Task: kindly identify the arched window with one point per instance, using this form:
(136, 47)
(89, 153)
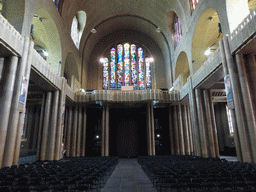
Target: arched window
(193, 4)
(77, 27)
(177, 30)
(75, 31)
(128, 67)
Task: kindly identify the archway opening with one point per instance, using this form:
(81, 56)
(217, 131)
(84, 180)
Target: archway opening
(46, 37)
(182, 67)
(206, 37)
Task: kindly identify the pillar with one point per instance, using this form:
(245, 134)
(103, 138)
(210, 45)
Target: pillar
(22, 111)
(60, 122)
(210, 124)
(107, 131)
(83, 147)
(52, 128)
(194, 120)
(14, 112)
(79, 132)
(189, 131)
(6, 93)
(232, 112)
(40, 127)
(149, 131)
(176, 130)
(36, 129)
(248, 105)
(1, 67)
(46, 125)
(74, 132)
(69, 128)
(103, 131)
(180, 130)
(238, 103)
(202, 123)
(171, 131)
(185, 130)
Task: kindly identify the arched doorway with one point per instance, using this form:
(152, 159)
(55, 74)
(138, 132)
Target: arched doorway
(182, 67)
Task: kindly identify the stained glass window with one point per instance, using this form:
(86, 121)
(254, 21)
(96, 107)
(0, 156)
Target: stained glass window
(56, 2)
(105, 74)
(148, 73)
(119, 66)
(177, 30)
(126, 64)
(193, 4)
(141, 69)
(127, 68)
(113, 68)
(133, 67)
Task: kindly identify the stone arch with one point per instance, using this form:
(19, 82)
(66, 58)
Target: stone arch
(71, 68)
(45, 34)
(206, 37)
(77, 27)
(182, 67)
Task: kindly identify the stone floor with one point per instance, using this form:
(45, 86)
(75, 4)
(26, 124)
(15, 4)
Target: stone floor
(128, 176)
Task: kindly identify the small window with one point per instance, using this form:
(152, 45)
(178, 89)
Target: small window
(177, 30)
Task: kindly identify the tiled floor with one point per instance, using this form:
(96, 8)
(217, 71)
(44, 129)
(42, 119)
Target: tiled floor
(128, 176)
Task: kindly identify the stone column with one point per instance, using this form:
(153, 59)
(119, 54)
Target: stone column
(194, 120)
(153, 129)
(6, 93)
(60, 122)
(238, 103)
(79, 132)
(107, 131)
(232, 112)
(171, 131)
(248, 104)
(52, 128)
(202, 122)
(210, 124)
(180, 130)
(22, 111)
(185, 130)
(84, 133)
(36, 129)
(176, 130)
(40, 128)
(46, 125)
(74, 133)
(149, 131)
(14, 113)
(69, 128)
(103, 130)
(189, 131)
(1, 67)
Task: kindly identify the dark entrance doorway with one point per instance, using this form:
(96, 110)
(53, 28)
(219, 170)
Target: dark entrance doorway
(127, 136)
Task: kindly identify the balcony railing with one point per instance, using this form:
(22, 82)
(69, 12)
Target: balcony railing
(127, 96)
(11, 37)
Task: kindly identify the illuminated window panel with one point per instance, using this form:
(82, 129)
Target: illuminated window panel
(193, 4)
(141, 69)
(148, 73)
(177, 31)
(127, 64)
(119, 66)
(133, 67)
(105, 74)
(113, 68)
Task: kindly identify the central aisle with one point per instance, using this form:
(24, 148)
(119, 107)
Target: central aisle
(128, 176)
